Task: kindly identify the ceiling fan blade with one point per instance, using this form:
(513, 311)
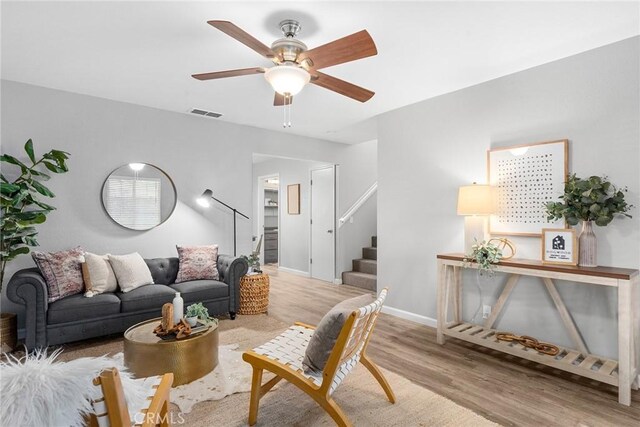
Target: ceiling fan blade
(340, 86)
(228, 73)
(356, 46)
(278, 100)
(243, 37)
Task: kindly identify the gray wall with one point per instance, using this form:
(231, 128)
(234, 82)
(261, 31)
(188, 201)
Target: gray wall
(101, 135)
(429, 149)
(294, 229)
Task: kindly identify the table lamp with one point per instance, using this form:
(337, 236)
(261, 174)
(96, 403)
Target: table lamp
(475, 202)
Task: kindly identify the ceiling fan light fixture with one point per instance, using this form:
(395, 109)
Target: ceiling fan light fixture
(287, 79)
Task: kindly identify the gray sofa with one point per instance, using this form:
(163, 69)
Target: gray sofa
(77, 317)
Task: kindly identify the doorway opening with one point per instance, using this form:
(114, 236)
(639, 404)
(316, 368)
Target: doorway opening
(270, 220)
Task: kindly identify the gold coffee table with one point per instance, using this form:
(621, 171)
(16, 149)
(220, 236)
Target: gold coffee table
(147, 355)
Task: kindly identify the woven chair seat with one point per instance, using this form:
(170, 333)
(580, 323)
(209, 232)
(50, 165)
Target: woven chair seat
(288, 349)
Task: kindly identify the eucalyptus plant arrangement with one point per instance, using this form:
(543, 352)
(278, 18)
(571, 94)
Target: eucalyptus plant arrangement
(486, 255)
(594, 199)
(199, 311)
(20, 200)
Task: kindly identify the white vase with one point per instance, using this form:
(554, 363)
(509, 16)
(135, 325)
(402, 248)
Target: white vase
(588, 246)
(178, 308)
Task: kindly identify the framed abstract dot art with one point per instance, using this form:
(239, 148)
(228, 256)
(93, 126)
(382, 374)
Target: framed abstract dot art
(526, 177)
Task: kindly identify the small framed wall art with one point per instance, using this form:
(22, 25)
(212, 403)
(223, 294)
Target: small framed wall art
(293, 199)
(526, 177)
(559, 246)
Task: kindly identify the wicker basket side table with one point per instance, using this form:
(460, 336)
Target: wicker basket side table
(254, 294)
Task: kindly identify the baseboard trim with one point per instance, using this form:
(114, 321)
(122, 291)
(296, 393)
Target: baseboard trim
(407, 315)
(293, 271)
(337, 281)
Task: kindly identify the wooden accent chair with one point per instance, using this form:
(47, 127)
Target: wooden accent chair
(111, 410)
(283, 356)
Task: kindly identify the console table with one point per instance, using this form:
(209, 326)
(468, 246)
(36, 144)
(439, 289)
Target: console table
(623, 373)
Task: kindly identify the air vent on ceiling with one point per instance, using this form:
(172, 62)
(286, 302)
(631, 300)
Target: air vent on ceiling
(205, 113)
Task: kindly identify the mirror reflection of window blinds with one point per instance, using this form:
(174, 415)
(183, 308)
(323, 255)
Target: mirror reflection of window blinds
(134, 202)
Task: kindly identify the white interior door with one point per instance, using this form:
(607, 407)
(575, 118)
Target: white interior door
(323, 224)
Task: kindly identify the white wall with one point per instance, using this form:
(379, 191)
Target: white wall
(357, 171)
(196, 152)
(293, 233)
(429, 149)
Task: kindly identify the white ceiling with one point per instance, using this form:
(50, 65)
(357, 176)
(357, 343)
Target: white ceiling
(145, 52)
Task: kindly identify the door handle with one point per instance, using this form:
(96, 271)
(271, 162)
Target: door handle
(329, 231)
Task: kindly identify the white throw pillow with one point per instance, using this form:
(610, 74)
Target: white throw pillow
(98, 275)
(131, 271)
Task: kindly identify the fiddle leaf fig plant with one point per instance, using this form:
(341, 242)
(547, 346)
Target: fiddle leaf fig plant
(486, 254)
(21, 202)
(593, 199)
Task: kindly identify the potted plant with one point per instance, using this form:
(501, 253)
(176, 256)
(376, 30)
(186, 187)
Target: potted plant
(22, 210)
(197, 312)
(254, 258)
(589, 200)
(486, 254)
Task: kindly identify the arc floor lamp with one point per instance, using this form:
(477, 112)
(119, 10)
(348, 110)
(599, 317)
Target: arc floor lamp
(203, 201)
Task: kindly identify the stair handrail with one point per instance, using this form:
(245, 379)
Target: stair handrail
(358, 204)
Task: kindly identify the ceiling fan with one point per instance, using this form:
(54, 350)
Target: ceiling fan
(295, 66)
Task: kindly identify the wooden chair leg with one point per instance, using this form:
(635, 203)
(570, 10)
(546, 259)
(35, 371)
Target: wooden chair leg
(375, 371)
(335, 412)
(164, 415)
(256, 384)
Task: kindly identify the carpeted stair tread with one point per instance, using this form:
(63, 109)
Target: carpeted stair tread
(370, 253)
(374, 241)
(369, 266)
(360, 280)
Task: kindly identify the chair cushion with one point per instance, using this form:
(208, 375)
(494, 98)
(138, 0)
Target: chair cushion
(62, 272)
(201, 290)
(147, 297)
(131, 271)
(327, 331)
(197, 263)
(79, 307)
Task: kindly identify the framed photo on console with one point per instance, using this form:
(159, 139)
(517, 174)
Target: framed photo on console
(559, 246)
(526, 178)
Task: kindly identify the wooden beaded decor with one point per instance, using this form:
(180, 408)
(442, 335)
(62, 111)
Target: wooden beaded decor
(254, 294)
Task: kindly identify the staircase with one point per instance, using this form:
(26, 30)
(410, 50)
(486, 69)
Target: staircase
(365, 269)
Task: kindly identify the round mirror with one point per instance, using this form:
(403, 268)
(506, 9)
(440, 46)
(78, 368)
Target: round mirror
(139, 196)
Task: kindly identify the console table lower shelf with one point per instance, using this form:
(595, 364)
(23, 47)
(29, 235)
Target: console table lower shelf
(579, 363)
(623, 373)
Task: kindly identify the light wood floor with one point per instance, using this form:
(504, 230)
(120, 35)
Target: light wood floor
(505, 389)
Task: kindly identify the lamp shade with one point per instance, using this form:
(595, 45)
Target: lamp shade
(205, 198)
(475, 200)
(287, 79)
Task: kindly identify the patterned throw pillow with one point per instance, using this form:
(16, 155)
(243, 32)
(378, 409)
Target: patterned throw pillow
(62, 271)
(197, 263)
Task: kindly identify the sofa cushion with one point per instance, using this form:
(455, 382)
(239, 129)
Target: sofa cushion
(78, 307)
(98, 275)
(62, 271)
(201, 290)
(131, 271)
(146, 297)
(197, 263)
(163, 270)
